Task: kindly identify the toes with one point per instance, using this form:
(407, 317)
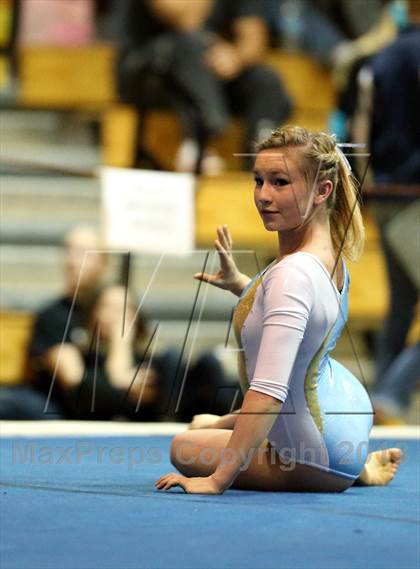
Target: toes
(395, 455)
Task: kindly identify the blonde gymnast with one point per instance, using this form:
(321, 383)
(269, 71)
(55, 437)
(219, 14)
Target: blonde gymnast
(305, 420)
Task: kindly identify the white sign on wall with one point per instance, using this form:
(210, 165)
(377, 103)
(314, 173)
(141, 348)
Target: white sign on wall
(147, 211)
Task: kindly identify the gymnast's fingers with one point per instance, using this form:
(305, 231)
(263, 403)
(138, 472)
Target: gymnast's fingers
(224, 255)
(228, 236)
(162, 480)
(206, 278)
(202, 277)
(223, 240)
(170, 481)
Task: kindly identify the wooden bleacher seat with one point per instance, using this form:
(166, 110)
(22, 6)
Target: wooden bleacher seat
(76, 78)
(15, 331)
(83, 79)
(308, 84)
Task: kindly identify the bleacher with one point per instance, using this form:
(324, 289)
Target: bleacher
(61, 78)
(37, 211)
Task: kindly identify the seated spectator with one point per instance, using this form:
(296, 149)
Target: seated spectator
(334, 34)
(208, 55)
(58, 331)
(81, 366)
(123, 377)
(111, 381)
(328, 30)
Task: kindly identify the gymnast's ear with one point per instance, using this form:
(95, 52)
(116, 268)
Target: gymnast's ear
(323, 192)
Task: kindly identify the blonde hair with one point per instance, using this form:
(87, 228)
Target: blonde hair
(323, 160)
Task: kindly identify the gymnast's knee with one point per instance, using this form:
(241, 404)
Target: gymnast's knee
(174, 450)
(180, 451)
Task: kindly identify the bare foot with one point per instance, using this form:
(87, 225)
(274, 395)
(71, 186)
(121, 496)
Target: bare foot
(380, 468)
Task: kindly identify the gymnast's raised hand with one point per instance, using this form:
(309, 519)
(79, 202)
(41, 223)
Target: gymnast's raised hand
(228, 277)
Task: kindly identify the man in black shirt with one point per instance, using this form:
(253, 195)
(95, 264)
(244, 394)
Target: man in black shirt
(60, 331)
(208, 55)
(55, 364)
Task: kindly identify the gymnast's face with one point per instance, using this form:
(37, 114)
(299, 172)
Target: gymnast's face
(281, 194)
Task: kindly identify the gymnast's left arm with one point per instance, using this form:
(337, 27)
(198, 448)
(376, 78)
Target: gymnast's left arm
(258, 413)
(288, 300)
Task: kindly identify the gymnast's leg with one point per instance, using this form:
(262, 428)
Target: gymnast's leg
(198, 452)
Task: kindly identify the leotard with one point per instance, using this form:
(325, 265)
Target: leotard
(287, 322)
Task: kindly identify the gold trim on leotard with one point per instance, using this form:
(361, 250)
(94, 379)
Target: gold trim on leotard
(311, 383)
(239, 316)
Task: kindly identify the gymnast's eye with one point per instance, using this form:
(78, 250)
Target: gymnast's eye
(281, 182)
(258, 181)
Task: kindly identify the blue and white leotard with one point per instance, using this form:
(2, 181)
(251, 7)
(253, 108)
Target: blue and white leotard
(287, 321)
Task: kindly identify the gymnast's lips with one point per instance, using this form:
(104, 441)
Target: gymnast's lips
(267, 212)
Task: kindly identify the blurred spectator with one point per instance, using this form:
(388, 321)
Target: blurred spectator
(396, 387)
(350, 57)
(82, 366)
(395, 138)
(120, 376)
(207, 55)
(130, 380)
(59, 330)
(333, 32)
(110, 381)
(322, 28)
(395, 146)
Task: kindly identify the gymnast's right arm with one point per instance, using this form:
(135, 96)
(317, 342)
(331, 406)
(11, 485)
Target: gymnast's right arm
(228, 277)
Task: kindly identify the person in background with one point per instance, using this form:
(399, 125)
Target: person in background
(327, 30)
(58, 332)
(395, 148)
(208, 55)
(83, 364)
(113, 380)
(60, 328)
(124, 378)
(78, 360)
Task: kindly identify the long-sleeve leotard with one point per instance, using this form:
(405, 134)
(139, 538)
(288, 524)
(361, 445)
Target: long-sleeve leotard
(287, 321)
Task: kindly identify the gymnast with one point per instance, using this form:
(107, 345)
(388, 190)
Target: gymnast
(305, 419)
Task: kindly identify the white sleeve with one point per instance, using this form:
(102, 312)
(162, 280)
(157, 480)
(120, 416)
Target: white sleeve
(288, 300)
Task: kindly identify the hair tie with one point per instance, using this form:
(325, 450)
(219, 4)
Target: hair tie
(340, 145)
(344, 157)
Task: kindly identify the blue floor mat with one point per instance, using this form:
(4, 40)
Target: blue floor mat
(90, 503)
